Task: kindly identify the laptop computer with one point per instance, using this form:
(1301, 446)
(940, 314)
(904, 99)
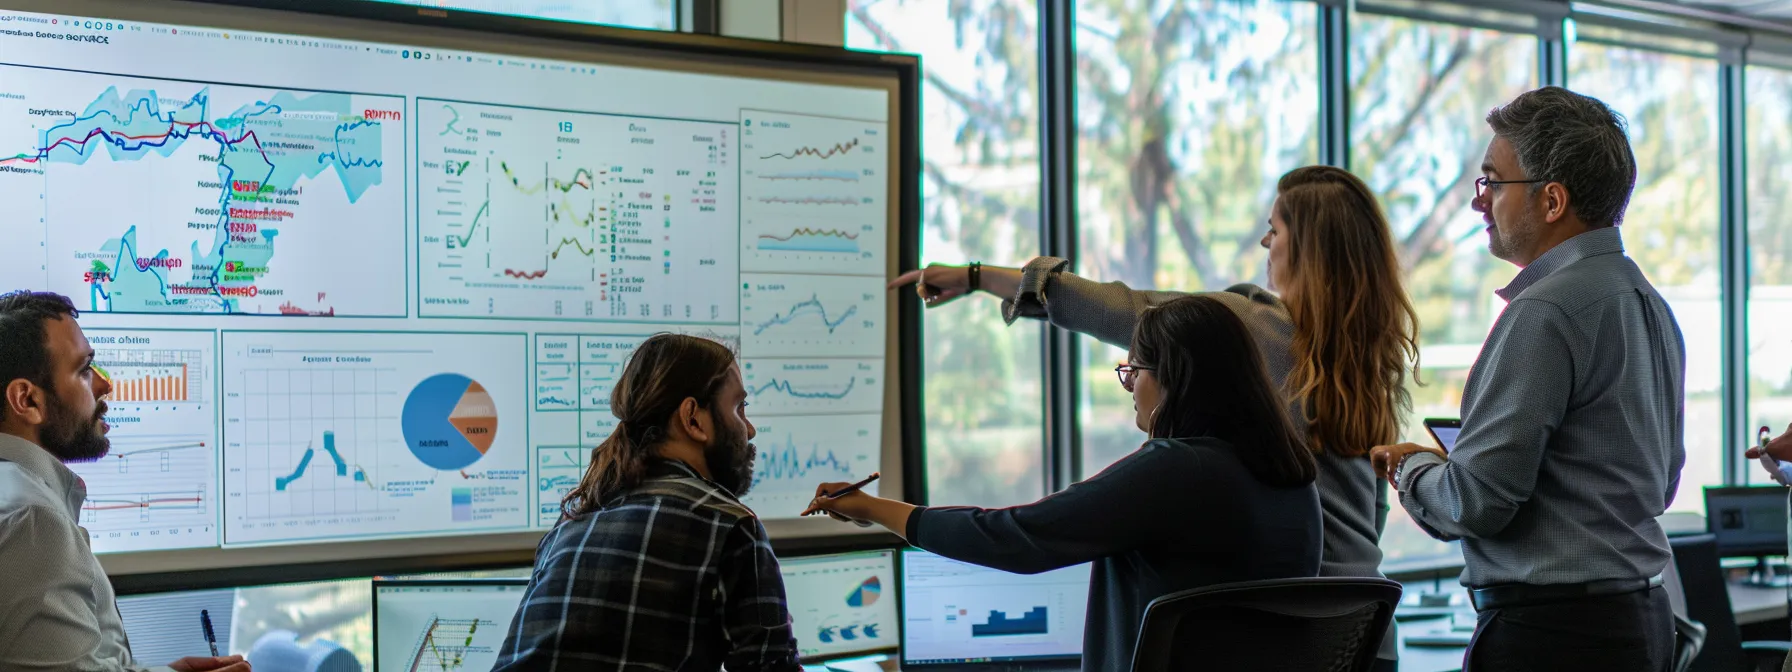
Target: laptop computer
(842, 605)
(442, 624)
(960, 617)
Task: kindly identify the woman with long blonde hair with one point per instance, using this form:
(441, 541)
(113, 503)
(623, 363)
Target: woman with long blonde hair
(1338, 338)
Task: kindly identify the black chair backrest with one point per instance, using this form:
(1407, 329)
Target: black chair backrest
(1323, 624)
(1708, 602)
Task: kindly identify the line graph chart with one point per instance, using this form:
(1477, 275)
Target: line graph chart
(797, 453)
(812, 316)
(815, 197)
(157, 487)
(838, 149)
(574, 374)
(806, 386)
(217, 198)
(557, 470)
(812, 244)
(528, 213)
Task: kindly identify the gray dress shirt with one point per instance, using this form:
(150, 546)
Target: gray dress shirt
(57, 610)
(1572, 428)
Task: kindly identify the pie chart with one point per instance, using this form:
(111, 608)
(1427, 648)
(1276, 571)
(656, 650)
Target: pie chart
(449, 421)
(866, 594)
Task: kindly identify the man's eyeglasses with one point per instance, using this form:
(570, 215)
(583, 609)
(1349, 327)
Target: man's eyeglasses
(1481, 184)
(1129, 373)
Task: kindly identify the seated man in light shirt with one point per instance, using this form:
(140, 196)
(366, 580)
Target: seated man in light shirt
(57, 610)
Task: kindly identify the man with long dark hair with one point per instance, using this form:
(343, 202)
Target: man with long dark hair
(1573, 416)
(57, 610)
(656, 564)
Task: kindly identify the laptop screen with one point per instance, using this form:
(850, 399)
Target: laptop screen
(955, 612)
(837, 603)
(442, 625)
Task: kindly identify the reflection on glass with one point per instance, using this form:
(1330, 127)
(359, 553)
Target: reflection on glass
(1419, 95)
(980, 202)
(1770, 252)
(1187, 114)
(1671, 226)
(656, 14)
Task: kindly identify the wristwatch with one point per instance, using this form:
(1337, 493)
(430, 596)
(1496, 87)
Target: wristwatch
(1400, 470)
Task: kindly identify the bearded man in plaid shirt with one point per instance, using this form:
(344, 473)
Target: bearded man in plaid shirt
(657, 566)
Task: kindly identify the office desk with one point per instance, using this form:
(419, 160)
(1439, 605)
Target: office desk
(1755, 604)
(1752, 604)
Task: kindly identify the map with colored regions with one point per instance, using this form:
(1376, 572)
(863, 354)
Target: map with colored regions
(165, 196)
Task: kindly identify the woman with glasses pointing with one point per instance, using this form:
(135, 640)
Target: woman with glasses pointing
(1338, 334)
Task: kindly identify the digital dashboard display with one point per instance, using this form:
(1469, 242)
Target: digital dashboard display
(351, 290)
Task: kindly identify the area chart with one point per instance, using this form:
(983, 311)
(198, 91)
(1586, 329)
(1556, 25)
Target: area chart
(813, 194)
(161, 196)
(157, 488)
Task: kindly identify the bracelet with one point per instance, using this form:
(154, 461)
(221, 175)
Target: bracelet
(976, 275)
(1400, 470)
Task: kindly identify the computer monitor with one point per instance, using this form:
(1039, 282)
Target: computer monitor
(838, 603)
(956, 612)
(444, 624)
(165, 626)
(1748, 521)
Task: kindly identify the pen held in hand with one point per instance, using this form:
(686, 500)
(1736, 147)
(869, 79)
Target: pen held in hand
(854, 487)
(841, 493)
(211, 638)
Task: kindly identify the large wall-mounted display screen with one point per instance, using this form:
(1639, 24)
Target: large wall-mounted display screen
(349, 289)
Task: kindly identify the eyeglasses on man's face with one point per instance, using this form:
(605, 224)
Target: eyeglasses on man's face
(1129, 374)
(1482, 183)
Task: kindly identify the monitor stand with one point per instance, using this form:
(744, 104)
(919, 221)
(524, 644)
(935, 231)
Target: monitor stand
(1768, 574)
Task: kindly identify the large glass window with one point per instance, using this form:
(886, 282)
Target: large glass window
(1769, 119)
(1187, 112)
(980, 193)
(656, 14)
(1419, 94)
(1671, 226)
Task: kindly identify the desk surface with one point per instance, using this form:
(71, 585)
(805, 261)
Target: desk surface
(1752, 604)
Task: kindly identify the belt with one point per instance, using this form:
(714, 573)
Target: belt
(1521, 594)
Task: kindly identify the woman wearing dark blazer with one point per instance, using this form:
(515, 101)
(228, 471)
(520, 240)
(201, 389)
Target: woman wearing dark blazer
(1222, 492)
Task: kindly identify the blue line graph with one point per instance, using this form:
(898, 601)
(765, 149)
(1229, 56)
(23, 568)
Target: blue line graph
(789, 464)
(810, 307)
(787, 388)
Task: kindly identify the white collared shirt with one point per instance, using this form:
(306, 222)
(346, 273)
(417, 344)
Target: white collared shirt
(57, 610)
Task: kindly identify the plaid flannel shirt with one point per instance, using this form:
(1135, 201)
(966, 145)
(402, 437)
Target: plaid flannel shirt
(675, 576)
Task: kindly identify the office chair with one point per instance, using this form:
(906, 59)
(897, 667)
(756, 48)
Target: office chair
(1689, 635)
(1326, 624)
(1708, 602)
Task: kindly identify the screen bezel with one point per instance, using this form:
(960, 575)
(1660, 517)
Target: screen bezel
(1431, 425)
(214, 567)
(374, 614)
(992, 664)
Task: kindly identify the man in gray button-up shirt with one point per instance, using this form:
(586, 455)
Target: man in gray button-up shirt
(57, 611)
(1572, 438)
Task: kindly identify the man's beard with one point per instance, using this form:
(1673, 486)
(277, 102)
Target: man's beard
(730, 458)
(72, 438)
